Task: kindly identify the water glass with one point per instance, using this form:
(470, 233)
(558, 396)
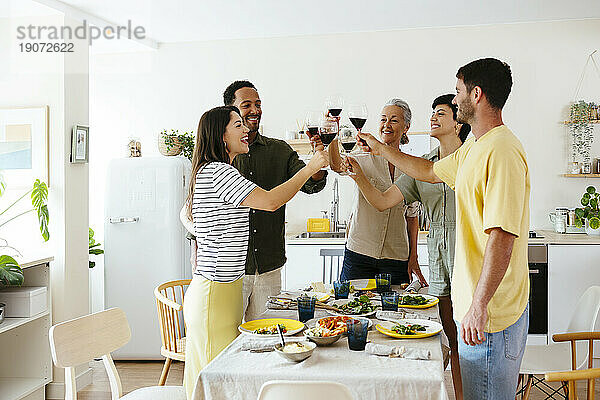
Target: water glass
(357, 333)
(389, 301)
(383, 282)
(306, 308)
(341, 289)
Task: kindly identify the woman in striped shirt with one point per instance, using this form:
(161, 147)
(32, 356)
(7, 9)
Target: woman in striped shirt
(218, 203)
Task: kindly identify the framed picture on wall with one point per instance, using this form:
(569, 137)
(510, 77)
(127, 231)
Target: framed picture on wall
(80, 146)
(24, 146)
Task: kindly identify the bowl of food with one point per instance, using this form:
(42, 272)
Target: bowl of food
(295, 351)
(322, 337)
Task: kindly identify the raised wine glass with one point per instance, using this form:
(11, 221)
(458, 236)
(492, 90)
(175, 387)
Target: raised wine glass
(348, 141)
(313, 122)
(334, 105)
(327, 132)
(358, 115)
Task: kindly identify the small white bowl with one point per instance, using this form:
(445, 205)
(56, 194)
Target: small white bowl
(296, 357)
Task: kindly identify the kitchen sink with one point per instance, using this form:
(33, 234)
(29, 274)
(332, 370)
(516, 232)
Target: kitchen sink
(320, 235)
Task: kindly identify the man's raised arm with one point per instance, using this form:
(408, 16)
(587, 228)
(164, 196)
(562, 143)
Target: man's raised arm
(417, 167)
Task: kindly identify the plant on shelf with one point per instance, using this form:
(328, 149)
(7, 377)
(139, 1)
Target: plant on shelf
(581, 130)
(590, 211)
(94, 247)
(10, 271)
(176, 142)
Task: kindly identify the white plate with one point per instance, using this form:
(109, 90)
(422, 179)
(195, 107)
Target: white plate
(338, 303)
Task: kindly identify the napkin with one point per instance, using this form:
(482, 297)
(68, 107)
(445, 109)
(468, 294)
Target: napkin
(267, 344)
(414, 287)
(410, 353)
(275, 304)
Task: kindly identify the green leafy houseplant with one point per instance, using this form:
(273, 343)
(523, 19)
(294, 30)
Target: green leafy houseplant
(185, 140)
(94, 247)
(10, 272)
(590, 211)
(581, 130)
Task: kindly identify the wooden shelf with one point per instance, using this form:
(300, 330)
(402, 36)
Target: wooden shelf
(12, 323)
(591, 122)
(581, 175)
(17, 388)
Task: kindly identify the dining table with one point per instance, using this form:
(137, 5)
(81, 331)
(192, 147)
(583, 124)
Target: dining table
(239, 374)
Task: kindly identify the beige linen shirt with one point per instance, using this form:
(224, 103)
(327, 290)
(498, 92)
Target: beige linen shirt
(379, 234)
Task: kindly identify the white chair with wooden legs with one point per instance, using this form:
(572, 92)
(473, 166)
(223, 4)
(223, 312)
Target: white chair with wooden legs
(302, 390)
(571, 376)
(169, 302)
(83, 339)
(539, 360)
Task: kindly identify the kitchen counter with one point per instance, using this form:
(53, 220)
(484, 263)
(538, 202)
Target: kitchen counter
(549, 237)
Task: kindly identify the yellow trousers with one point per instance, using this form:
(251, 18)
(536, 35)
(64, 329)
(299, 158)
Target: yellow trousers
(212, 313)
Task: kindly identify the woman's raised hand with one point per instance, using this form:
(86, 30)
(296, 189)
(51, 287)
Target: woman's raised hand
(350, 164)
(318, 161)
(368, 143)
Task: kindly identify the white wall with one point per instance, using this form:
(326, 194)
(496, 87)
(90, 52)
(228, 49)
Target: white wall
(61, 82)
(141, 94)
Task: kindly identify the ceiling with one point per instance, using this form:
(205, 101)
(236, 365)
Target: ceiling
(197, 20)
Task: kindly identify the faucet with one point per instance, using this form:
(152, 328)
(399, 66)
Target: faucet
(335, 224)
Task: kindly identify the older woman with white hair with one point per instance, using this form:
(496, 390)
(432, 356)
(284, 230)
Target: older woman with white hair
(381, 241)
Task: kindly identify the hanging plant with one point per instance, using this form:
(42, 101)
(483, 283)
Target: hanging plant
(581, 131)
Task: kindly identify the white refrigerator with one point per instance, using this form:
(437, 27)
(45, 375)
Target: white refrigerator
(145, 243)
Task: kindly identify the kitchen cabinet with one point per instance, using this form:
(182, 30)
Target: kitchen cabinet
(571, 270)
(26, 362)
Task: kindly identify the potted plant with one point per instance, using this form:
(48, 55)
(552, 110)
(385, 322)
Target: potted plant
(174, 143)
(582, 133)
(589, 215)
(94, 247)
(10, 272)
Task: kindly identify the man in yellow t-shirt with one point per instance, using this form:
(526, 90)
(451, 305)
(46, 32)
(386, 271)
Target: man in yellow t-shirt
(490, 284)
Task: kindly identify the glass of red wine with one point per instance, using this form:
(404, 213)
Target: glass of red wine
(313, 122)
(348, 141)
(334, 105)
(327, 132)
(358, 115)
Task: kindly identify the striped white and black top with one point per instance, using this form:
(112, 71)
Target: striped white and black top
(221, 225)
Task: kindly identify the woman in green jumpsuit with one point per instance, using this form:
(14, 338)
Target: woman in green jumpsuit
(438, 201)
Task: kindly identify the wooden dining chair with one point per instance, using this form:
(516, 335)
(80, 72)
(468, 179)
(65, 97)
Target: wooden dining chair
(83, 339)
(169, 303)
(332, 260)
(572, 376)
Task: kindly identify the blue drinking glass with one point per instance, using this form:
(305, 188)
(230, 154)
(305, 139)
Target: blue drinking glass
(383, 282)
(389, 301)
(358, 329)
(341, 289)
(306, 308)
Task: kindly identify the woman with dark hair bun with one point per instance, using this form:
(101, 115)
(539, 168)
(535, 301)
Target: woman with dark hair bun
(438, 201)
(217, 208)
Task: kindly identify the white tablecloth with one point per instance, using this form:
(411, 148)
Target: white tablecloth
(237, 374)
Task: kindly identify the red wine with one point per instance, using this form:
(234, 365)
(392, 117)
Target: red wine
(335, 112)
(312, 131)
(358, 122)
(348, 146)
(327, 138)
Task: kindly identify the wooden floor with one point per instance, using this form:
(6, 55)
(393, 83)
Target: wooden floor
(140, 374)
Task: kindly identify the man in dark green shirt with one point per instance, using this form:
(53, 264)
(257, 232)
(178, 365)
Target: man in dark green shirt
(269, 163)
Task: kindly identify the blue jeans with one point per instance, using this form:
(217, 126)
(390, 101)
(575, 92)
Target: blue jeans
(490, 370)
(359, 266)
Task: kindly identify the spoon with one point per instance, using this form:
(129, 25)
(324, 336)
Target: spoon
(281, 336)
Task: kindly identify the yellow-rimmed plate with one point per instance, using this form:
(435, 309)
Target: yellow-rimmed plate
(363, 284)
(431, 328)
(431, 301)
(291, 325)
